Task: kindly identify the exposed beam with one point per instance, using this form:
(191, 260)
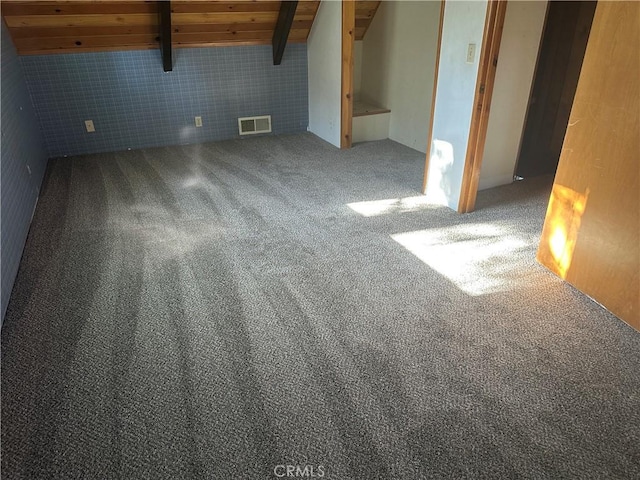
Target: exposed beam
(283, 25)
(164, 23)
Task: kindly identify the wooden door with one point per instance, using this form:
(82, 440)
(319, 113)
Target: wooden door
(591, 234)
(561, 53)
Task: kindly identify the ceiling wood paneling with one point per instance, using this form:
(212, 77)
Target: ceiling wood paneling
(365, 11)
(42, 27)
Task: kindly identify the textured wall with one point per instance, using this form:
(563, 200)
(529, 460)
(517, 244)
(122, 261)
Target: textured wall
(24, 160)
(325, 70)
(134, 104)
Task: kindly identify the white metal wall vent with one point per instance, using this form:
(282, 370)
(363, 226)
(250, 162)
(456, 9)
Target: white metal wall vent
(251, 125)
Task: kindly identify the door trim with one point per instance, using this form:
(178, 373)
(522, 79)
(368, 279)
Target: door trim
(433, 101)
(346, 99)
(491, 38)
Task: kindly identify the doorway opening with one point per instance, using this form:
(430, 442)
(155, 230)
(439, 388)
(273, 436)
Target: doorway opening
(562, 50)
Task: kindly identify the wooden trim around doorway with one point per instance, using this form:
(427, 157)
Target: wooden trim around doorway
(493, 26)
(433, 100)
(346, 103)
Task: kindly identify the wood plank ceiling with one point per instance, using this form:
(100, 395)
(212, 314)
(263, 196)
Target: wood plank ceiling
(43, 27)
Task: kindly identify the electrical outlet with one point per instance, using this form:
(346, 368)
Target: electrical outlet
(89, 126)
(471, 53)
(198, 121)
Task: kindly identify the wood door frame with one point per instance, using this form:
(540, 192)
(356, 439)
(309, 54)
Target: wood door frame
(346, 95)
(492, 35)
(491, 38)
(433, 100)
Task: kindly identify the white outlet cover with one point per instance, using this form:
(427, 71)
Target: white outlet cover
(89, 126)
(198, 121)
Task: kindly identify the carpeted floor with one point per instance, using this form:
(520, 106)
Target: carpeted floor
(223, 311)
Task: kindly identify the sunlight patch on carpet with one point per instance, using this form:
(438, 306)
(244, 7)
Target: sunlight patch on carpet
(478, 258)
(391, 205)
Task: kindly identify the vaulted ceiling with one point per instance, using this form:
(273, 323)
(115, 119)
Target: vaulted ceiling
(43, 27)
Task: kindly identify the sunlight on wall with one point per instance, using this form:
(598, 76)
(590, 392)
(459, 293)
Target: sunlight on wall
(438, 183)
(391, 205)
(561, 227)
(478, 258)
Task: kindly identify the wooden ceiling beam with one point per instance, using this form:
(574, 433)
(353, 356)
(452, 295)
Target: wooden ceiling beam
(283, 26)
(164, 21)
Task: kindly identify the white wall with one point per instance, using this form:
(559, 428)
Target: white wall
(368, 128)
(324, 52)
(463, 24)
(398, 62)
(523, 26)
(357, 68)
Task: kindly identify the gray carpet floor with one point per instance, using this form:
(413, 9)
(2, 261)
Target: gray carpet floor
(214, 311)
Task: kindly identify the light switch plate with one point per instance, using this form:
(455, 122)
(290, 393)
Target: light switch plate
(471, 53)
